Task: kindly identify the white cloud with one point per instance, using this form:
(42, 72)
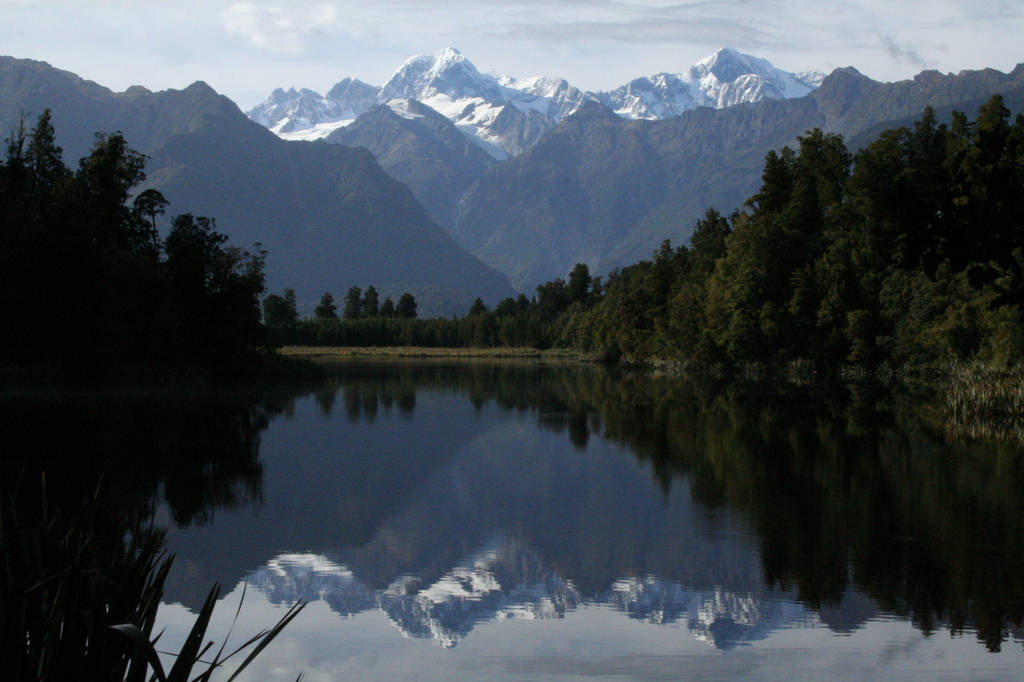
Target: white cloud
(285, 30)
(245, 48)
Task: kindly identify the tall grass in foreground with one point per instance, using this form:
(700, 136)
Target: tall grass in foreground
(985, 403)
(79, 602)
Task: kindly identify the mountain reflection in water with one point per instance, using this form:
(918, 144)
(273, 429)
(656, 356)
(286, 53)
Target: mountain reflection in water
(448, 496)
(475, 592)
(846, 504)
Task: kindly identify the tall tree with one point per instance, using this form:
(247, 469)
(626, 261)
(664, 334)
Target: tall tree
(578, 289)
(326, 310)
(406, 307)
(478, 307)
(280, 311)
(353, 307)
(371, 302)
(44, 159)
(215, 290)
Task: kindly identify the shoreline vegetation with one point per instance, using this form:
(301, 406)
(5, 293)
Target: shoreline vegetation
(81, 591)
(329, 354)
(976, 401)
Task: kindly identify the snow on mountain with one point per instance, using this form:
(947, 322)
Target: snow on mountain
(653, 97)
(555, 98)
(302, 114)
(811, 79)
(446, 74)
(729, 77)
(721, 80)
(506, 115)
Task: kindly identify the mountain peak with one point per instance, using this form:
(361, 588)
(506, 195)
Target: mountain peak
(448, 55)
(728, 64)
(445, 73)
(592, 111)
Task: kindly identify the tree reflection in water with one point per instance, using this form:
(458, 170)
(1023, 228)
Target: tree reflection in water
(845, 488)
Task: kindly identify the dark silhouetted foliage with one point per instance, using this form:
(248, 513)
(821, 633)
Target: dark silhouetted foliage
(88, 287)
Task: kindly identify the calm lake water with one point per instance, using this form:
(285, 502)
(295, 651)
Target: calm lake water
(509, 522)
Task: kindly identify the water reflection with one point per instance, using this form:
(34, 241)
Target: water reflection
(447, 496)
(807, 496)
(506, 582)
(198, 451)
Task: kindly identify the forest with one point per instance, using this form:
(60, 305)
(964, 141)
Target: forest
(907, 253)
(90, 290)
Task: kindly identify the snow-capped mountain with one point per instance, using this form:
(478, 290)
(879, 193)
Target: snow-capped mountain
(308, 115)
(506, 115)
(444, 77)
(722, 80)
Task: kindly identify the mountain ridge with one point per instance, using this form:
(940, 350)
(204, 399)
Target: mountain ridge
(452, 85)
(328, 215)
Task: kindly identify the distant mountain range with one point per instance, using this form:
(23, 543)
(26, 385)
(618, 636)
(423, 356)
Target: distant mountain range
(529, 176)
(507, 115)
(600, 178)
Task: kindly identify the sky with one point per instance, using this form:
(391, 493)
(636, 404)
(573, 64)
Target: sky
(246, 49)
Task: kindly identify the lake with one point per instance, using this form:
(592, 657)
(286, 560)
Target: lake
(482, 521)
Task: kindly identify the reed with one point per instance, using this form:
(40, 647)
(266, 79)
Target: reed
(78, 601)
(342, 353)
(985, 403)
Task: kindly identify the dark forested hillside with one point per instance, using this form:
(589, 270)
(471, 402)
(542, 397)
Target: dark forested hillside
(327, 214)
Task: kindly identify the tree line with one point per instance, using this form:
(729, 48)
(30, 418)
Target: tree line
(513, 322)
(88, 287)
(281, 316)
(908, 252)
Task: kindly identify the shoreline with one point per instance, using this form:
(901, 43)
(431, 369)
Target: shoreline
(329, 354)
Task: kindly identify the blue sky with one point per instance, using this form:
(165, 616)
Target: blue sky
(245, 49)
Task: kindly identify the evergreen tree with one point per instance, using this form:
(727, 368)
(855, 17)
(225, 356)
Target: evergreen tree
(326, 310)
(371, 304)
(406, 307)
(478, 307)
(353, 307)
(82, 280)
(44, 159)
(280, 312)
(578, 289)
(387, 309)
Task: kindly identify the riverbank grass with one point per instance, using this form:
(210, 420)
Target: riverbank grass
(985, 403)
(328, 354)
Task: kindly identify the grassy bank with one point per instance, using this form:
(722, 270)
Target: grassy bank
(327, 354)
(985, 403)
